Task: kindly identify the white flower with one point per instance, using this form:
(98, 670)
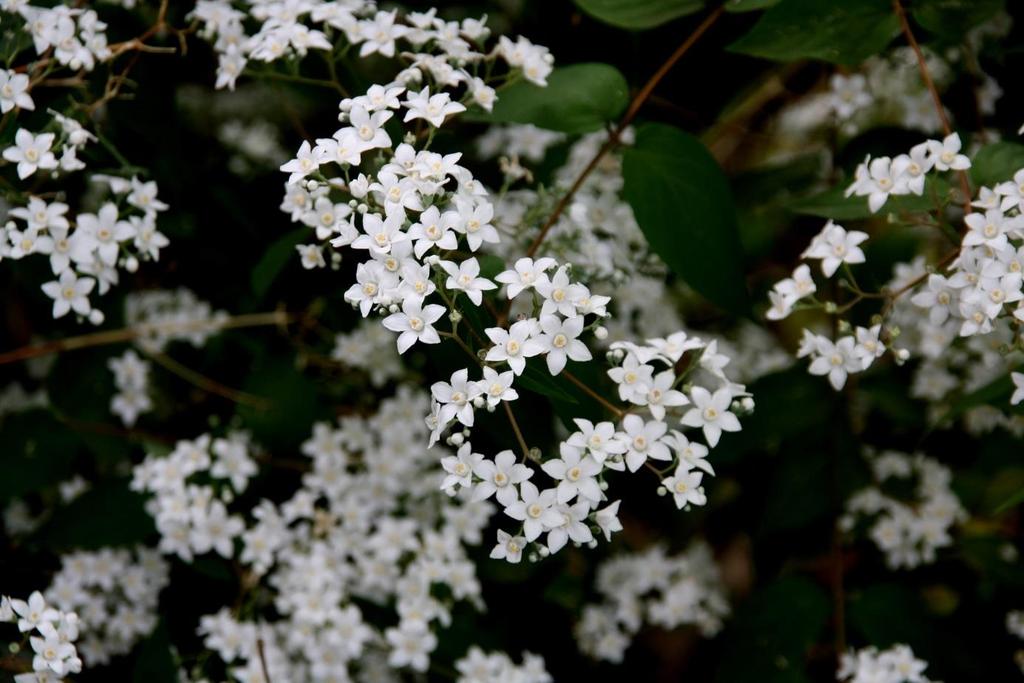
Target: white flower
(460, 468)
(31, 152)
(14, 91)
(848, 94)
(432, 108)
(836, 360)
(946, 154)
(509, 547)
(496, 386)
(304, 163)
(535, 509)
(499, 477)
(69, 292)
(573, 526)
(514, 345)
(415, 324)
(1018, 388)
(684, 485)
(456, 398)
(643, 440)
(711, 413)
(599, 440)
(834, 245)
(466, 277)
(526, 274)
(576, 475)
(559, 341)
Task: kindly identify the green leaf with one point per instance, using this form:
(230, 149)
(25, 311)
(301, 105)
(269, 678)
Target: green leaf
(684, 206)
(537, 379)
(838, 31)
(638, 14)
(950, 19)
(996, 162)
(748, 5)
(107, 515)
(154, 662)
(885, 614)
(768, 638)
(293, 407)
(996, 392)
(274, 259)
(578, 99)
(36, 451)
(1011, 502)
(833, 204)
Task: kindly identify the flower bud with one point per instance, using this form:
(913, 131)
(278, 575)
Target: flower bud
(96, 316)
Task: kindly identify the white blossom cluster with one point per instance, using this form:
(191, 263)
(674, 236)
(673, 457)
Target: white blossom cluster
(256, 145)
(909, 532)
(283, 32)
(480, 667)
(166, 315)
(51, 634)
(1015, 627)
(652, 588)
(131, 379)
(894, 665)
(15, 399)
(515, 142)
(368, 347)
(409, 219)
(192, 517)
(114, 592)
(367, 524)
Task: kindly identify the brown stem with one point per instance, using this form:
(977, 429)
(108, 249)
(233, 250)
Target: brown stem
(263, 659)
(277, 318)
(515, 428)
(922, 66)
(614, 135)
(208, 384)
(592, 394)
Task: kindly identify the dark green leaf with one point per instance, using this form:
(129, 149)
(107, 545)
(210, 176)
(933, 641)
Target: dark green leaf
(154, 662)
(275, 258)
(833, 204)
(748, 5)
(638, 14)
(578, 99)
(684, 206)
(951, 18)
(997, 162)
(886, 614)
(768, 638)
(839, 31)
(107, 515)
(36, 451)
(537, 379)
(292, 405)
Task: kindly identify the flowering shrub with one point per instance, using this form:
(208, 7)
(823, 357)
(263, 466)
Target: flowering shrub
(385, 342)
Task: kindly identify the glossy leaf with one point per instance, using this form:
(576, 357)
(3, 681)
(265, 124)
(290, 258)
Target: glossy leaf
(638, 14)
(684, 206)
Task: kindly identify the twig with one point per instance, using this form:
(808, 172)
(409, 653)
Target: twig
(515, 428)
(208, 384)
(614, 135)
(592, 394)
(263, 659)
(277, 318)
(922, 65)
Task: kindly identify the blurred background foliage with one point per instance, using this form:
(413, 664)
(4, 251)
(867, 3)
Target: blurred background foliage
(782, 480)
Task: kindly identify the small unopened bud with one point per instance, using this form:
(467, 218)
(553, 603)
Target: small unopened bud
(456, 439)
(601, 332)
(96, 316)
(362, 209)
(131, 264)
(662, 491)
(478, 402)
(830, 307)
(455, 316)
(393, 308)
(312, 185)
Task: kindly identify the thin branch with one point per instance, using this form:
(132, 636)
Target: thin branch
(922, 66)
(208, 384)
(515, 428)
(614, 135)
(263, 659)
(276, 318)
(592, 394)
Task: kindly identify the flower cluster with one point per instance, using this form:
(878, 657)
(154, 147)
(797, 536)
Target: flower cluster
(479, 667)
(652, 587)
(1015, 627)
(192, 487)
(869, 665)
(909, 532)
(52, 635)
(165, 315)
(114, 593)
(368, 524)
(131, 378)
(368, 347)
